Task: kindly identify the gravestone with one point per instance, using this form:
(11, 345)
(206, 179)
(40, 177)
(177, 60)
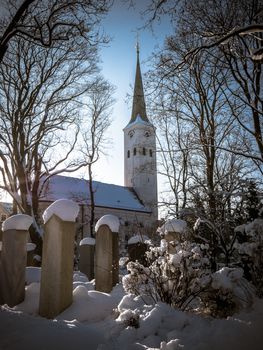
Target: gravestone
(30, 254)
(87, 256)
(137, 248)
(13, 259)
(107, 253)
(173, 231)
(58, 258)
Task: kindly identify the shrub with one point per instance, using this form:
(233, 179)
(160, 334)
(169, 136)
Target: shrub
(175, 279)
(228, 292)
(249, 249)
(184, 280)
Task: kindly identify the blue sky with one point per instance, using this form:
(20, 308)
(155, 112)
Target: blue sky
(118, 66)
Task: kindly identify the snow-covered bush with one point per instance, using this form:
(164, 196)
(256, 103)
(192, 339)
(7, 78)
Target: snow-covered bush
(249, 248)
(228, 292)
(184, 280)
(219, 236)
(176, 279)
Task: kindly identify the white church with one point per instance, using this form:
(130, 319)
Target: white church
(135, 203)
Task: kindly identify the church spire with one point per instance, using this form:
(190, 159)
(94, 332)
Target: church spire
(138, 106)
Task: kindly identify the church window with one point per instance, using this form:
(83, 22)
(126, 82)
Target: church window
(128, 154)
(134, 151)
(151, 153)
(144, 151)
(131, 133)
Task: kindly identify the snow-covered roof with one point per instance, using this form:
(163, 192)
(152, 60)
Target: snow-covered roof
(106, 195)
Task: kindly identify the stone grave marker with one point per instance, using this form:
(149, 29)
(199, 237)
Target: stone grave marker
(58, 257)
(87, 256)
(107, 253)
(137, 247)
(14, 258)
(172, 232)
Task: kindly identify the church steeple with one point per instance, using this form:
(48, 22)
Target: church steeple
(138, 106)
(140, 166)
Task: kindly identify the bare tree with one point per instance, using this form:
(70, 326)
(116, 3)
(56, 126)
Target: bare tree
(231, 30)
(97, 119)
(173, 147)
(236, 32)
(51, 22)
(40, 104)
(192, 108)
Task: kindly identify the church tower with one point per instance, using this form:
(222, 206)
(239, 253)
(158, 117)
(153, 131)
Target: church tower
(140, 171)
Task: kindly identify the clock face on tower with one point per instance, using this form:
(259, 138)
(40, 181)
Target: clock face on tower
(131, 133)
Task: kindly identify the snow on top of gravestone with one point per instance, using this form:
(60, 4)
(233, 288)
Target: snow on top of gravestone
(17, 222)
(173, 225)
(30, 247)
(110, 220)
(138, 239)
(87, 241)
(105, 195)
(65, 209)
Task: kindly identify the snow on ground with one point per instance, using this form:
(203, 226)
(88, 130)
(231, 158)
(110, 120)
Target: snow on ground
(104, 321)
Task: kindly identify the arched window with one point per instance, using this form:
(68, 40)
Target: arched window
(134, 151)
(144, 151)
(128, 154)
(151, 153)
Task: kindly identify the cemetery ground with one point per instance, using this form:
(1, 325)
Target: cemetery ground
(55, 307)
(97, 320)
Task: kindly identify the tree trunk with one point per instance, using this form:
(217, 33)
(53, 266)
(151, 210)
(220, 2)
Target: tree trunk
(92, 201)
